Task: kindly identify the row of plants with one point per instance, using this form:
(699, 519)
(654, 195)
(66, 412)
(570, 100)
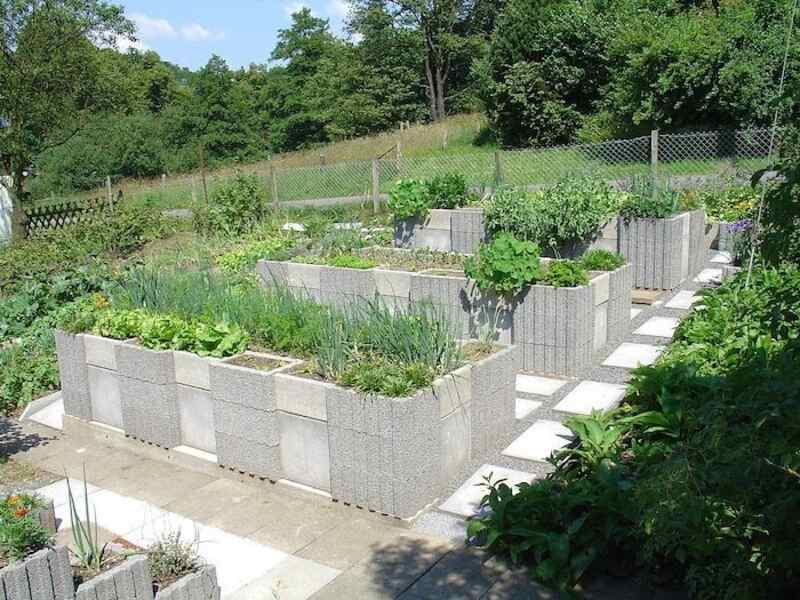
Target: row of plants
(694, 480)
(21, 533)
(365, 345)
(415, 198)
(507, 265)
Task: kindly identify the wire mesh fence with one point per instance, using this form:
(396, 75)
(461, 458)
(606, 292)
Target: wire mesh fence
(693, 159)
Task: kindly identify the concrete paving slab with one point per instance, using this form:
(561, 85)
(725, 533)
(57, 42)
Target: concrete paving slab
(708, 276)
(658, 327)
(591, 395)
(525, 407)
(629, 355)
(683, 300)
(212, 498)
(296, 525)
(458, 575)
(721, 258)
(539, 441)
(635, 312)
(291, 579)
(540, 386)
(47, 411)
(156, 482)
(467, 498)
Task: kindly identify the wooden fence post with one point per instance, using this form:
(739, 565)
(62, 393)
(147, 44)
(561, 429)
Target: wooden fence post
(654, 154)
(376, 185)
(109, 194)
(194, 190)
(163, 185)
(273, 176)
(498, 169)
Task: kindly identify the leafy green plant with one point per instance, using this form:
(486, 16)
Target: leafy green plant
(346, 261)
(28, 369)
(602, 260)
(88, 551)
(505, 265)
(564, 273)
(21, 534)
(409, 198)
(216, 339)
(726, 205)
(247, 255)
(447, 191)
(649, 199)
(560, 218)
(236, 206)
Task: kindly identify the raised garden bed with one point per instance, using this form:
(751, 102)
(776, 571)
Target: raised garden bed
(269, 419)
(557, 329)
(47, 575)
(663, 252)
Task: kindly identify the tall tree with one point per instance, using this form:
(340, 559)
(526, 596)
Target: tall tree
(49, 72)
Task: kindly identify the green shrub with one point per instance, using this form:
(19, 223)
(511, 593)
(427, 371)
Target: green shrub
(505, 265)
(649, 199)
(246, 256)
(564, 273)
(560, 218)
(726, 205)
(28, 369)
(780, 225)
(346, 261)
(447, 191)
(171, 558)
(236, 206)
(409, 198)
(602, 260)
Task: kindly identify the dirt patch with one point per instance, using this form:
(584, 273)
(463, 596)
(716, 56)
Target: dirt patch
(254, 361)
(476, 351)
(18, 476)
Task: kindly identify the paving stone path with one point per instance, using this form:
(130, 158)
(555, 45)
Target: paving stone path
(276, 543)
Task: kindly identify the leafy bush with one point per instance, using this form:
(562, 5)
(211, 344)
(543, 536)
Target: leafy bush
(246, 256)
(346, 261)
(409, 198)
(649, 199)
(695, 479)
(20, 534)
(602, 260)
(560, 218)
(780, 225)
(564, 273)
(727, 205)
(236, 206)
(389, 379)
(447, 191)
(505, 265)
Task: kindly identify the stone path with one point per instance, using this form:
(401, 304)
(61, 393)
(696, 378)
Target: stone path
(276, 542)
(544, 403)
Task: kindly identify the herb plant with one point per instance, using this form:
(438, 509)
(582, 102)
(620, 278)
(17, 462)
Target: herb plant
(170, 558)
(505, 265)
(649, 199)
(601, 260)
(447, 191)
(564, 273)
(409, 198)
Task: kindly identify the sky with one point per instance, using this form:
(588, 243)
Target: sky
(187, 32)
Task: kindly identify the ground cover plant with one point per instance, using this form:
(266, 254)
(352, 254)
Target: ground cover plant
(694, 480)
(21, 534)
(506, 265)
(415, 198)
(650, 198)
(171, 557)
(601, 260)
(560, 219)
(418, 259)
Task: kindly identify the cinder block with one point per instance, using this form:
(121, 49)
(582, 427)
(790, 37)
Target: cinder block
(15, 581)
(600, 326)
(301, 396)
(404, 232)
(454, 390)
(150, 411)
(142, 582)
(353, 283)
(600, 287)
(438, 218)
(304, 276)
(191, 369)
(104, 394)
(40, 580)
(433, 239)
(249, 457)
(73, 375)
(455, 443)
(137, 362)
(272, 273)
(249, 424)
(100, 351)
(396, 284)
(245, 386)
(305, 454)
(196, 413)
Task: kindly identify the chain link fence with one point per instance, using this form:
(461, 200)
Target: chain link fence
(696, 159)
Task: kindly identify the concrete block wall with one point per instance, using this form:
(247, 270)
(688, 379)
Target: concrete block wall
(433, 232)
(104, 381)
(725, 240)
(493, 398)
(664, 252)
(467, 230)
(449, 294)
(47, 575)
(197, 586)
(620, 287)
(44, 575)
(340, 287)
(149, 394)
(195, 403)
(245, 418)
(74, 374)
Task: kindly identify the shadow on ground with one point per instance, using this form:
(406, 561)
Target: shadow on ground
(13, 439)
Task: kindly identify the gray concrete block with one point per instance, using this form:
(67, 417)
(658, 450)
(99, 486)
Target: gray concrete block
(137, 362)
(244, 386)
(73, 375)
(248, 424)
(455, 443)
(395, 284)
(196, 417)
(15, 581)
(100, 351)
(104, 395)
(150, 411)
(61, 572)
(304, 276)
(40, 578)
(600, 326)
(191, 369)
(352, 283)
(249, 457)
(305, 453)
(433, 239)
(123, 583)
(271, 273)
(301, 396)
(404, 232)
(139, 569)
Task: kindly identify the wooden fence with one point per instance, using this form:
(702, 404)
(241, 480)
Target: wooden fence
(40, 219)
